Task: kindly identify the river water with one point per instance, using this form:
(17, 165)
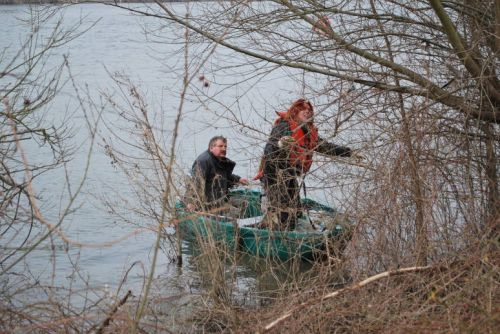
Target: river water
(115, 43)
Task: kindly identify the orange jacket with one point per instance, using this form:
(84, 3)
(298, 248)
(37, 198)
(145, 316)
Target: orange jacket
(302, 148)
(301, 152)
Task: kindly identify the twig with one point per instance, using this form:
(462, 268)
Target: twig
(107, 321)
(356, 286)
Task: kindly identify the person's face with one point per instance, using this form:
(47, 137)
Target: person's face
(219, 148)
(305, 114)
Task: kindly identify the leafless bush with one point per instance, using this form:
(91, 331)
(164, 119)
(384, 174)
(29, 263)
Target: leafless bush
(36, 144)
(415, 87)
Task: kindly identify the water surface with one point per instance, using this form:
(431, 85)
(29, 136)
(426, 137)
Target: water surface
(115, 43)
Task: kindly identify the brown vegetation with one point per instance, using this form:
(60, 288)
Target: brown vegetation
(425, 113)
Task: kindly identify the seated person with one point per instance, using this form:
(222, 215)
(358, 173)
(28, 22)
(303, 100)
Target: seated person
(211, 177)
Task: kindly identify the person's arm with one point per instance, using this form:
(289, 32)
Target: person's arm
(331, 149)
(196, 184)
(273, 152)
(200, 172)
(235, 179)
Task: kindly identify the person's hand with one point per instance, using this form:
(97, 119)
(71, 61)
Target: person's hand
(244, 181)
(286, 142)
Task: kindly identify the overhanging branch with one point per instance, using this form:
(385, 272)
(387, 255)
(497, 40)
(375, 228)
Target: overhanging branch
(428, 90)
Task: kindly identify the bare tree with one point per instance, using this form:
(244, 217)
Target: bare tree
(33, 144)
(414, 85)
(26, 88)
(418, 80)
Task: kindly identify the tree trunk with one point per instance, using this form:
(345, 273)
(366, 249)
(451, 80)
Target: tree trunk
(493, 204)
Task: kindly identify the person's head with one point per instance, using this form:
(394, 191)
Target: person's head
(218, 146)
(301, 111)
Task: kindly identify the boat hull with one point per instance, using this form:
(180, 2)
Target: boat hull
(284, 245)
(307, 244)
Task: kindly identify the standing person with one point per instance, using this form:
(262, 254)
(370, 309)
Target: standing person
(288, 155)
(211, 177)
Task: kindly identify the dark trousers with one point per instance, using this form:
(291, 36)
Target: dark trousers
(283, 193)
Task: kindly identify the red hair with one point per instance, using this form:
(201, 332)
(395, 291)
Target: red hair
(296, 107)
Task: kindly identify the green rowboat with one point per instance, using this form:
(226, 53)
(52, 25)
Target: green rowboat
(321, 232)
